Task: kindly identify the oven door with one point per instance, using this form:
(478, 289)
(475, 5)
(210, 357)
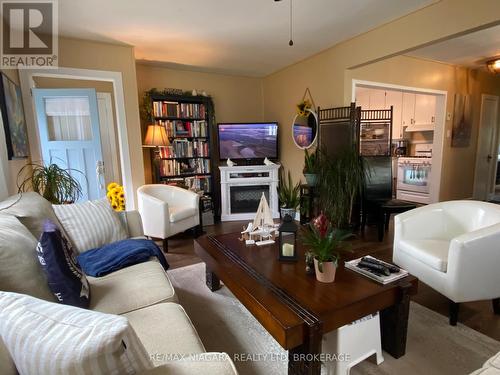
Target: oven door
(414, 176)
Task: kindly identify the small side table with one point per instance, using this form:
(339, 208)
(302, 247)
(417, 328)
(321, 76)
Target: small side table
(308, 203)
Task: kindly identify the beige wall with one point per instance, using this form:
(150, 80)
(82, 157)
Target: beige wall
(15, 165)
(326, 73)
(236, 98)
(457, 176)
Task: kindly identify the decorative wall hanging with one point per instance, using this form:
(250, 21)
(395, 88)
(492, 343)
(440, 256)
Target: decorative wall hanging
(11, 105)
(305, 123)
(462, 121)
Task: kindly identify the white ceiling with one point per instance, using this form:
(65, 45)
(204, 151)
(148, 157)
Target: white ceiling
(248, 37)
(471, 50)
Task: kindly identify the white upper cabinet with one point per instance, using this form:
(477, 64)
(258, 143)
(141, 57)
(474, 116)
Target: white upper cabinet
(425, 109)
(395, 99)
(363, 97)
(377, 99)
(408, 109)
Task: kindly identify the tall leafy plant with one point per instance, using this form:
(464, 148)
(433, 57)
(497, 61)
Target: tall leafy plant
(288, 192)
(50, 181)
(342, 179)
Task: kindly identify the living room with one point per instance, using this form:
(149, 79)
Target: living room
(196, 122)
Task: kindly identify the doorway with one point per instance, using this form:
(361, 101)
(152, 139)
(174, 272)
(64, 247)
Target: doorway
(486, 184)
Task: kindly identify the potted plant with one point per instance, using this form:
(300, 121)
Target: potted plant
(326, 244)
(51, 182)
(288, 195)
(310, 167)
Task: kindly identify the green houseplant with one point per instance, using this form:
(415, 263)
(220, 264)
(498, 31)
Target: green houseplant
(342, 180)
(288, 195)
(311, 167)
(50, 181)
(326, 244)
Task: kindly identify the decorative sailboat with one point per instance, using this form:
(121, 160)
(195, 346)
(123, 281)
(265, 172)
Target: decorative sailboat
(262, 227)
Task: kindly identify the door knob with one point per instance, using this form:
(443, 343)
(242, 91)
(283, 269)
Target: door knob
(489, 157)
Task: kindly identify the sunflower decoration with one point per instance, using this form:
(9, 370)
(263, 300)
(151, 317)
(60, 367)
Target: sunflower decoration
(303, 107)
(116, 196)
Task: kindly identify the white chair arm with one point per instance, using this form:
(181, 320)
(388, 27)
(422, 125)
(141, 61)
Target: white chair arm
(155, 215)
(419, 223)
(200, 364)
(474, 265)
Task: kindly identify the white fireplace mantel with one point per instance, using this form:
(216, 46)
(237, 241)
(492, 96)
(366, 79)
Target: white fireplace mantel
(248, 175)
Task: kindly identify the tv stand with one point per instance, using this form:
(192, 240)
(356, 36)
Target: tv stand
(242, 187)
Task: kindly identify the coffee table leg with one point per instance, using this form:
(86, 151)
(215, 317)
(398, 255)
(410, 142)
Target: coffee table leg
(212, 280)
(305, 359)
(394, 324)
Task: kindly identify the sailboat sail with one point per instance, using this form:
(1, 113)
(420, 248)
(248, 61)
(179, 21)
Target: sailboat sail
(263, 216)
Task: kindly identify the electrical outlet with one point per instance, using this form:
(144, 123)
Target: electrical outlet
(448, 133)
(448, 116)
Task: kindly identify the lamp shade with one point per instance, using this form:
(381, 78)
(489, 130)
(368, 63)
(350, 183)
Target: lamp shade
(156, 136)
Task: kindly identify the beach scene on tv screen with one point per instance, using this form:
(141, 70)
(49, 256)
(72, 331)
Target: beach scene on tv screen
(247, 141)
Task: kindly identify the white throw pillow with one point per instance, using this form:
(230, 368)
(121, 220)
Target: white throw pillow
(91, 224)
(49, 338)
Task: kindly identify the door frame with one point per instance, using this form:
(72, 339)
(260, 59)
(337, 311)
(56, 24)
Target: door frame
(27, 83)
(439, 131)
(496, 141)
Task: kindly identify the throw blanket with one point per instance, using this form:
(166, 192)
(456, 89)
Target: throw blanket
(118, 255)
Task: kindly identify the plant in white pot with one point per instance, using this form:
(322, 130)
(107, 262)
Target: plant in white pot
(310, 170)
(288, 195)
(326, 243)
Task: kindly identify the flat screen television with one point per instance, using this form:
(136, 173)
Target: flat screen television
(251, 140)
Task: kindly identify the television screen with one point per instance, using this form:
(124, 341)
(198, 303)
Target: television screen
(248, 140)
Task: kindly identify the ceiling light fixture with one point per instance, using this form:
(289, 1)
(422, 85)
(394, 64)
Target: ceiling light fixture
(290, 42)
(494, 65)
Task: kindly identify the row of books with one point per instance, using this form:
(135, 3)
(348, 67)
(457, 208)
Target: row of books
(174, 109)
(199, 183)
(185, 149)
(184, 128)
(177, 167)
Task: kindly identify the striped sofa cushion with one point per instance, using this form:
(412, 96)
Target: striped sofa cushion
(91, 224)
(48, 338)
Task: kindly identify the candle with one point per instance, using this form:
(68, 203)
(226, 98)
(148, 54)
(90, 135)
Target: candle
(288, 249)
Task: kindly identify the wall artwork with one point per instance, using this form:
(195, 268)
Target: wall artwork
(462, 121)
(11, 106)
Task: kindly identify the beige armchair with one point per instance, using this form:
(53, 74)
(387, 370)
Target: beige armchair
(167, 210)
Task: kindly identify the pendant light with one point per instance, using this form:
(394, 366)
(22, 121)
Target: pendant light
(290, 42)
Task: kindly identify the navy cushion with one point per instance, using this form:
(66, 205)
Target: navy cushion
(66, 279)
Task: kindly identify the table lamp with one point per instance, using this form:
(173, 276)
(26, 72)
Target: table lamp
(156, 136)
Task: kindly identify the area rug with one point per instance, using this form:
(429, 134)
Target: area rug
(224, 325)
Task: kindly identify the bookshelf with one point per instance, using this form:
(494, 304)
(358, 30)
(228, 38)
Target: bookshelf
(188, 160)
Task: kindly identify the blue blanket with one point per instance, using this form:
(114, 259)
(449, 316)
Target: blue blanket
(118, 255)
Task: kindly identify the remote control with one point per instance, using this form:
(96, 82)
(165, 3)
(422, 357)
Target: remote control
(390, 267)
(376, 267)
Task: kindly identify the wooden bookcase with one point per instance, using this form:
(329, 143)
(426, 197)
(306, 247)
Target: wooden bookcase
(189, 160)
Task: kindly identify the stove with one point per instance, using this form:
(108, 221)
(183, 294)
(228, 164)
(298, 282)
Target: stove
(414, 172)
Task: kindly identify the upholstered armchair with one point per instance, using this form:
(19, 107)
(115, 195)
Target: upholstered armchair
(168, 210)
(454, 247)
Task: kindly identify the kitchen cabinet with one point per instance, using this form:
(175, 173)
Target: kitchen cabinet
(377, 99)
(408, 109)
(425, 109)
(363, 97)
(395, 99)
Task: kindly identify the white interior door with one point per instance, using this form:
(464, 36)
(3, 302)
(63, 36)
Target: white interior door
(68, 125)
(487, 149)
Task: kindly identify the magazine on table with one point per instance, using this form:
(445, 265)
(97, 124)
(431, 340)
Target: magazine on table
(376, 269)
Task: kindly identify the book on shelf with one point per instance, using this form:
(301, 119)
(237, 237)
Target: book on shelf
(199, 183)
(376, 276)
(165, 108)
(180, 167)
(187, 129)
(182, 148)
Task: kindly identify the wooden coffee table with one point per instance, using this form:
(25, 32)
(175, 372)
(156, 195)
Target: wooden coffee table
(295, 308)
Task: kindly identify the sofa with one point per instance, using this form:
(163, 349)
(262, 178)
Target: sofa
(452, 247)
(142, 293)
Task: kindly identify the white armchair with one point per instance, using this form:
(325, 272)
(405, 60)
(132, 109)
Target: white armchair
(454, 247)
(167, 210)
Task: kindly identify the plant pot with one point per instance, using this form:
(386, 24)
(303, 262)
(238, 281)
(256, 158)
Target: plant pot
(328, 274)
(287, 211)
(311, 179)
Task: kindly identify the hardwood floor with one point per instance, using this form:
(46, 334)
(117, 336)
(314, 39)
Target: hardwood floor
(476, 315)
